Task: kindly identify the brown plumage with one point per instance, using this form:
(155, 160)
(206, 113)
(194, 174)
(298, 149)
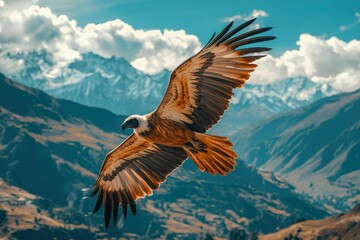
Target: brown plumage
(199, 92)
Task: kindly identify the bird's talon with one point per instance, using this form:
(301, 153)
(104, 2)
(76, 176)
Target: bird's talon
(202, 146)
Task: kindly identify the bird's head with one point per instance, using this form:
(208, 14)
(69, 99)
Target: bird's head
(137, 122)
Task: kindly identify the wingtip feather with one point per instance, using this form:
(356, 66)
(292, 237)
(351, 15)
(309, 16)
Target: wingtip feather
(107, 208)
(99, 201)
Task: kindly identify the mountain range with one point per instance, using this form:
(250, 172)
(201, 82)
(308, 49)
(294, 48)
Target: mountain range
(52, 148)
(316, 148)
(113, 84)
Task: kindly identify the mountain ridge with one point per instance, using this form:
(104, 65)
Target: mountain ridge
(113, 84)
(74, 143)
(314, 147)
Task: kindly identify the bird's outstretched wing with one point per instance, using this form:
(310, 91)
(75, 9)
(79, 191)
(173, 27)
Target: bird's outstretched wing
(200, 88)
(131, 171)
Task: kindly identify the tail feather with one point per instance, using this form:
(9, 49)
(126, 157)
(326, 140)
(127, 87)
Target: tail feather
(218, 157)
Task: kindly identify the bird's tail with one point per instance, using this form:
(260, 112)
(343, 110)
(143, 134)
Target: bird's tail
(217, 157)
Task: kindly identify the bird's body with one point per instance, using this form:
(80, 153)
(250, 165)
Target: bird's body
(198, 94)
(163, 131)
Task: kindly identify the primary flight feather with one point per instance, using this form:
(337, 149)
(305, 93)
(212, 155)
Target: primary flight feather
(198, 93)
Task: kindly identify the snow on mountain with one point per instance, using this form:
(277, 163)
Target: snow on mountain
(289, 93)
(254, 102)
(110, 83)
(113, 84)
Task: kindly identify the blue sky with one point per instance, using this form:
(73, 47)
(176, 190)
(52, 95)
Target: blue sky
(289, 18)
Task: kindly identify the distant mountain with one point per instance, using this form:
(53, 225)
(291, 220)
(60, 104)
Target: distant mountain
(316, 148)
(253, 102)
(113, 84)
(50, 149)
(109, 83)
(343, 226)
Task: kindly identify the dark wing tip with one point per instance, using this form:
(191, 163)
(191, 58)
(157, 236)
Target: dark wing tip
(99, 201)
(251, 40)
(246, 35)
(131, 202)
(222, 33)
(115, 207)
(107, 208)
(235, 30)
(264, 29)
(94, 189)
(212, 37)
(124, 203)
(251, 21)
(133, 208)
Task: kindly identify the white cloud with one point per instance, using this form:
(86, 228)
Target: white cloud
(10, 66)
(256, 13)
(150, 51)
(346, 27)
(255, 26)
(259, 13)
(331, 61)
(25, 27)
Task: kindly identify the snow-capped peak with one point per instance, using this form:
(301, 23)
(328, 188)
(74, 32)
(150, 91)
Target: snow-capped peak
(112, 83)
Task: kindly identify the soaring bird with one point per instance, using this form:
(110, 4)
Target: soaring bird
(198, 93)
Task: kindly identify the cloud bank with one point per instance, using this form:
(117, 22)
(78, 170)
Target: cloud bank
(256, 13)
(330, 61)
(25, 27)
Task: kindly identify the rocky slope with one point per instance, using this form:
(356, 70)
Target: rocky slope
(53, 148)
(343, 226)
(316, 148)
(26, 216)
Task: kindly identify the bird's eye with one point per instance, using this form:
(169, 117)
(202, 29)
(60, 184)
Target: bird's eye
(134, 123)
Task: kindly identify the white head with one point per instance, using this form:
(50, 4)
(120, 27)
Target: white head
(137, 122)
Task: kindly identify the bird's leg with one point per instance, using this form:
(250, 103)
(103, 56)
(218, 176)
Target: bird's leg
(194, 146)
(191, 148)
(198, 144)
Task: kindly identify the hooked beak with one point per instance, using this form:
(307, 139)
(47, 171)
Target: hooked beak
(132, 123)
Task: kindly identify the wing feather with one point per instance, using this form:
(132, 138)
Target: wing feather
(200, 89)
(131, 171)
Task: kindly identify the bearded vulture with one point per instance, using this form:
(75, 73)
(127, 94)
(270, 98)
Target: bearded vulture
(198, 93)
